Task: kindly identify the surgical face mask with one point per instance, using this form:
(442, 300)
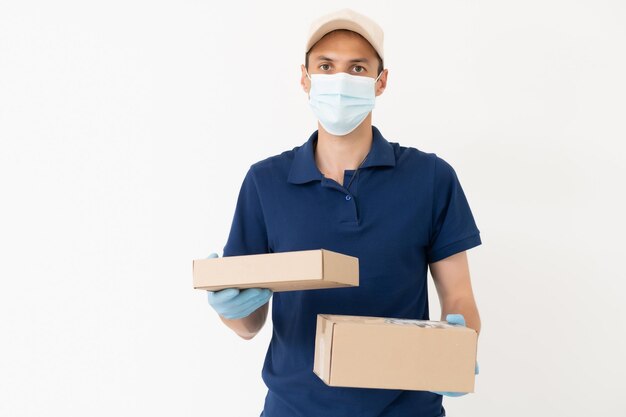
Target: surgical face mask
(341, 101)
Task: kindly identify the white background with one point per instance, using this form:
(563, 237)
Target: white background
(126, 129)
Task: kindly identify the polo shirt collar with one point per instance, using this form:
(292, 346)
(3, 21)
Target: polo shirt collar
(303, 168)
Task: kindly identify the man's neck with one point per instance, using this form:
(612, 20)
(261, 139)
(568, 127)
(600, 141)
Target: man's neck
(334, 154)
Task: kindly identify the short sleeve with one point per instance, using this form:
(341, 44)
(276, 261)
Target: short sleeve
(248, 234)
(453, 228)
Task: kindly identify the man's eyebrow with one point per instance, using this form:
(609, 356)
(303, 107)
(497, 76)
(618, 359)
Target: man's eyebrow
(325, 58)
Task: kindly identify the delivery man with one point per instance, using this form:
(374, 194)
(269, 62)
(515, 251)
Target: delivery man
(398, 209)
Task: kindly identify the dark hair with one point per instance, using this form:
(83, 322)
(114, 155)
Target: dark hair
(380, 61)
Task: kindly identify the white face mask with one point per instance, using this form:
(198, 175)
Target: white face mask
(341, 101)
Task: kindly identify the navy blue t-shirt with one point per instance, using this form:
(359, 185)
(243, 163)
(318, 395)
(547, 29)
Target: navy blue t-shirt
(404, 210)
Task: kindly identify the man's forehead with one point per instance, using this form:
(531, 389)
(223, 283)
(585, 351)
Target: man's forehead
(344, 42)
(340, 57)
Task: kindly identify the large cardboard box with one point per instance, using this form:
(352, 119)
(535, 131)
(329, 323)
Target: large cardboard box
(280, 271)
(379, 352)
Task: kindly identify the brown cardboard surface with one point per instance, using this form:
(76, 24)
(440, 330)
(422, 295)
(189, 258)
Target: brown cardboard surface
(280, 271)
(380, 352)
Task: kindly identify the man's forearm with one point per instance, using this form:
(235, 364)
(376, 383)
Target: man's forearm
(465, 306)
(247, 327)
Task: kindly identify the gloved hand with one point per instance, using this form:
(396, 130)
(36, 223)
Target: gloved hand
(233, 303)
(456, 319)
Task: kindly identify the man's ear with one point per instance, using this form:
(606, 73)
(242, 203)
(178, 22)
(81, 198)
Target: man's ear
(382, 82)
(304, 80)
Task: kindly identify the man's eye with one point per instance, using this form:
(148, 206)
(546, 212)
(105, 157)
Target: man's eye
(358, 66)
(324, 65)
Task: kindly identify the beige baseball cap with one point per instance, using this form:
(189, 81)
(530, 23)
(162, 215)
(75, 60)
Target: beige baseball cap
(347, 19)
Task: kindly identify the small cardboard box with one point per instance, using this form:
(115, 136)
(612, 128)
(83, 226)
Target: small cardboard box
(280, 271)
(379, 352)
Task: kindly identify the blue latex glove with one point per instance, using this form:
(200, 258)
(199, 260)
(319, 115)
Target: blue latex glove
(233, 303)
(456, 319)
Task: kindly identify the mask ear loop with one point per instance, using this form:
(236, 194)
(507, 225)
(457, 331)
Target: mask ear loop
(309, 77)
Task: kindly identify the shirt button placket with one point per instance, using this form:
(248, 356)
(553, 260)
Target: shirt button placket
(353, 209)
